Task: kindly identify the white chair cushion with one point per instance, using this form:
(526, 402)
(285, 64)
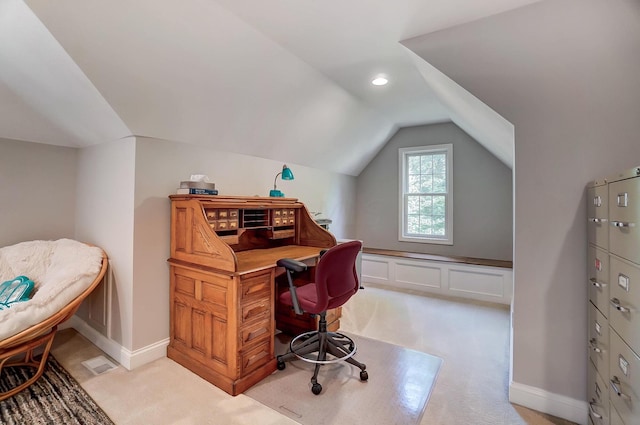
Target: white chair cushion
(61, 270)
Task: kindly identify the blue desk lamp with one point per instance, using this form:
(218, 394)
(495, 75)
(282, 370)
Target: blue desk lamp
(286, 175)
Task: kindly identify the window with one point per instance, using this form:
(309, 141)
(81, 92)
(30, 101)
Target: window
(426, 213)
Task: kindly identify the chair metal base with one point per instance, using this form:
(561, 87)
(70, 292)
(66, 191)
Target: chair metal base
(322, 347)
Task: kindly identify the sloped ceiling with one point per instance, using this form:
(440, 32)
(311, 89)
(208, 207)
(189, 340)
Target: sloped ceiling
(283, 79)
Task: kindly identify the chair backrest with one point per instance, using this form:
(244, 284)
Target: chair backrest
(336, 276)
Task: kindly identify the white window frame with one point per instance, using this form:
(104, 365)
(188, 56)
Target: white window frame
(403, 154)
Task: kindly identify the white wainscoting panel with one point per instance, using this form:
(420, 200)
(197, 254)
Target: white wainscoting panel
(483, 283)
(416, 274)
(477, 280)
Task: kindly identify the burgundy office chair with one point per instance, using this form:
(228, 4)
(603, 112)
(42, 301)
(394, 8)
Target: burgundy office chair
(336, 280)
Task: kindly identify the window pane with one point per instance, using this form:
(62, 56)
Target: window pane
(413, 205)
(413, 164)
(413, 224)
(414, 184)
(426, 184)
(440, 163)
(425, 205)
(426, 163)
(438, 226)
(439, 205)
(439, 183)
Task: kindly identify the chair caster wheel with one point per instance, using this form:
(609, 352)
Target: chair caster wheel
(281, 365)
(316, 388)
(364, 375)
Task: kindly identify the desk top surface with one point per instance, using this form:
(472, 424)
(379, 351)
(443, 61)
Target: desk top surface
(260, 259)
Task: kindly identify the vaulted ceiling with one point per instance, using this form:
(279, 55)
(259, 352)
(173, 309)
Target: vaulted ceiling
(282, 79)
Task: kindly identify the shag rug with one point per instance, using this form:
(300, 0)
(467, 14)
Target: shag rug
(55, 398)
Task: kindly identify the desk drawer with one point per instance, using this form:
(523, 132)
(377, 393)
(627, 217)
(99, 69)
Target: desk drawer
(624, 380)
(599, 341)
(256, 286)
(598, 274)
(624, 309)
(258, 310)
(253, 358)
(255, 332)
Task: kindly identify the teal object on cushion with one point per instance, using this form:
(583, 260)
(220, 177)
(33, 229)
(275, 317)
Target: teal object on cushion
(15, 290)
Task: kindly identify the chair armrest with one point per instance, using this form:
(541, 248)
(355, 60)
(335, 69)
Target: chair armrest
(291, 264)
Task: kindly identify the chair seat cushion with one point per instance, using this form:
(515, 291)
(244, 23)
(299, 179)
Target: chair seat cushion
(61, 270)
(307, 298)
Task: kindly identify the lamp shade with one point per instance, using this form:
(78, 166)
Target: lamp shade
(287, 174)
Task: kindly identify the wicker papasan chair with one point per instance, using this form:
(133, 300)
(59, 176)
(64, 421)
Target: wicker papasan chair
(64, 272)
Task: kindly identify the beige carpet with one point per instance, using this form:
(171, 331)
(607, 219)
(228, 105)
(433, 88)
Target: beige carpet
(399, 385)
(471, 388)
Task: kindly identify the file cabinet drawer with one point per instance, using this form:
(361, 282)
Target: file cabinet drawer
(614, 417)
(598, 397)
(624, 380)
(598, 274)
(597, 216)
(624, 219)
(624, 290)
(599, 341)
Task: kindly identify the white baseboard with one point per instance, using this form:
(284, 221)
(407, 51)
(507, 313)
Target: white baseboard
(482, 283)
(127, 358)
(553, 404)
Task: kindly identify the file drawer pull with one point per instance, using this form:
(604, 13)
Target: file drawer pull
(594, 346)
(622, 224)
(595, 414)
(597, 284)
(616, 389)
(616, 303)
(598, 220)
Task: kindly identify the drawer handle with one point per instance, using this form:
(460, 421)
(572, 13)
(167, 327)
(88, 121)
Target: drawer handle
(594, 346)
(255, 311)
(597, 284)
(598, 220)
(616, 303)
(592, 405)
(622, 224)
(615, 382)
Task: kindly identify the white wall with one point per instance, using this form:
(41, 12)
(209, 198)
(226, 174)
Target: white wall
(482, 196)
(37, 191)
(104, 217)
(566, 74)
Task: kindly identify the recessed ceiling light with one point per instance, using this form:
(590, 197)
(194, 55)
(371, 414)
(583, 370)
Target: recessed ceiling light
(379, 81)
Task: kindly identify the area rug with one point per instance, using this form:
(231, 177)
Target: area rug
(397, 392)
(55, 398)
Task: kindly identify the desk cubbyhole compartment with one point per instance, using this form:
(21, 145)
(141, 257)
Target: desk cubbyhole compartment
(255, 218)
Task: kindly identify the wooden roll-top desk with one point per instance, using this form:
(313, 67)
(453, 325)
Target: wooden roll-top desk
(225, 283)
